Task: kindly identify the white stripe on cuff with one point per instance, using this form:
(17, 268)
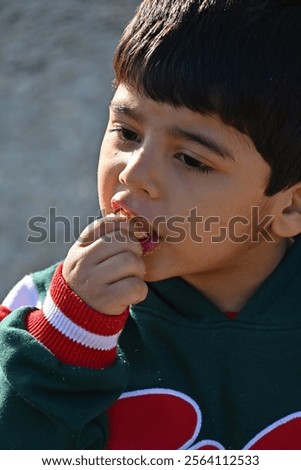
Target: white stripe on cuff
(74, 332)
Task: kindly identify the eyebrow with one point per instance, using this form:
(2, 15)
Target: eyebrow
(125, 109)
(193, 136)
(204, 140)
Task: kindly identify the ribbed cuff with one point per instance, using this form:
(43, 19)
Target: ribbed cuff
(74, 332)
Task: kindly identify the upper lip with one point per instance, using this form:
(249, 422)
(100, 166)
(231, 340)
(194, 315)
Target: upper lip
(145, 226)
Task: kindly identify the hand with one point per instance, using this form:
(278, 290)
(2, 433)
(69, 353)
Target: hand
(105, 267)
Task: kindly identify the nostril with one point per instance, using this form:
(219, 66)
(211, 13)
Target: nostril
(141, 176)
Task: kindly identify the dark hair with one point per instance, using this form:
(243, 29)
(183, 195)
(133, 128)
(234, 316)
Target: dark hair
(239, 59)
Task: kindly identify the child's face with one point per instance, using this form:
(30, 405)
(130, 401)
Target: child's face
(193, 178)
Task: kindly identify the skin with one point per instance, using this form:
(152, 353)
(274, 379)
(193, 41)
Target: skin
(157, 160)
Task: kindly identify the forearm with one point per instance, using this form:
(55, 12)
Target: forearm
(61, 370)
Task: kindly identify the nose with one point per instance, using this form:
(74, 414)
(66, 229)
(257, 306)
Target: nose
(143, 172)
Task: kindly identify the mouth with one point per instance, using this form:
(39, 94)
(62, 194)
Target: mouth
(140, 228)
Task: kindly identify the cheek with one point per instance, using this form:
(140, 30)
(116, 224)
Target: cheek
(107, 178)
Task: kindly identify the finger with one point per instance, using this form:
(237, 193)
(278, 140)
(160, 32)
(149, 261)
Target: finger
(129, 291)
(104, 248)
(100, 228)
(120, 266)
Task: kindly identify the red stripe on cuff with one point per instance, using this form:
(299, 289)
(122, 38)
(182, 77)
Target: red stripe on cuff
(79, 312)
(4, 311)
(66, 350)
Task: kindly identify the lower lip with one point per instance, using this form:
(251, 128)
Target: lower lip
(149, 244)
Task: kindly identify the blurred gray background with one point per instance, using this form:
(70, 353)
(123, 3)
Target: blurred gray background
(55, 86)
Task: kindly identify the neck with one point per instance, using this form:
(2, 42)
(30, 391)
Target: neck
(230, 289)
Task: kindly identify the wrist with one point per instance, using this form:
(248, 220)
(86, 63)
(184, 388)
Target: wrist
(72, 330)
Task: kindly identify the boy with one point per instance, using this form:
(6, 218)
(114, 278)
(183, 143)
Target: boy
(200, 186)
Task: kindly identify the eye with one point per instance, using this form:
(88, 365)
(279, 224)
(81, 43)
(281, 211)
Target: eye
(193, 163)
(126, 134)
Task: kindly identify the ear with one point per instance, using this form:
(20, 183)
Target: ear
(287, 220)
